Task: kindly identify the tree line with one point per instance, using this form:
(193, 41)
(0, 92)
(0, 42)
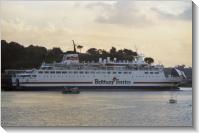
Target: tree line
(16, 56)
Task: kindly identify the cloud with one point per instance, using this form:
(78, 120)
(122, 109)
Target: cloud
(120, 12)
(184, 15)
(21, 31)
(140, 13)
(187, 14)
(103, 24)
(103, 5)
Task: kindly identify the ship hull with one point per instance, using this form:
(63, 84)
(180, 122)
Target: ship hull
(100, 88)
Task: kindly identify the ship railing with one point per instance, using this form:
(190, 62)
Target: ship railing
(104, 68)
(14, 71)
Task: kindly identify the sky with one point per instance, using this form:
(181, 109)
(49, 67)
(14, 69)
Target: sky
(158, 29)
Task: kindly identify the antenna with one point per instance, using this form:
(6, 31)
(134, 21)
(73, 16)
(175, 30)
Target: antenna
(136, 49)
(159, 62)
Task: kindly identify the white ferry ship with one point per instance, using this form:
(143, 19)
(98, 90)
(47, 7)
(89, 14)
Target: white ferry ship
(105, 74)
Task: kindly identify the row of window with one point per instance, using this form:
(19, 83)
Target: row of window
(86, 72)
(152, 72)
(81, 72)
(96, 76)
(27, 76)
(77, 76)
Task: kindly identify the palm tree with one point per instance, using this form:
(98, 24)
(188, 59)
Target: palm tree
(79, 47)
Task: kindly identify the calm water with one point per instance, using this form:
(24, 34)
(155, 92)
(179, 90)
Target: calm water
(96, 108)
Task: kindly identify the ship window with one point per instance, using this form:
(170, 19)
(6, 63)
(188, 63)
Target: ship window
(125, 72)
(81, 72)
(52, 72)
(119, 72)
(40, 72)
(75, 72)
(70, 72)
(34, 76)
(98, 72)
(129, 72)
(114, 72)
(146, 72)
(86, 72)
(151, 72)
(64, 72)
(46, 71)
(109, 72)
(93, 72)
(156, 72)
(25, 76)
(58, 72)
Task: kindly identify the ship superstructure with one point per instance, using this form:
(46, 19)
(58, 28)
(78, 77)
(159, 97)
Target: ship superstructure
(105, 74)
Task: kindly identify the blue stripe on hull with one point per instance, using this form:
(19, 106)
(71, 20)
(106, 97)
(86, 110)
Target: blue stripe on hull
(102, 88)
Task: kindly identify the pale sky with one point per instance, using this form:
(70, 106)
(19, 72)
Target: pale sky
(158, 29)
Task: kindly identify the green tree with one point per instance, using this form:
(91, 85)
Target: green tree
(16, 56)
(54, 54)
(79, 47)
(92, 51)
(149, 60)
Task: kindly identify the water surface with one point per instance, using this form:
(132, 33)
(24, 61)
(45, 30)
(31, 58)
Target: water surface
(129, 108)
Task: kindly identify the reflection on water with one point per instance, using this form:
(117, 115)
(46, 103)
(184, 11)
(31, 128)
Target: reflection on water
(144, 108)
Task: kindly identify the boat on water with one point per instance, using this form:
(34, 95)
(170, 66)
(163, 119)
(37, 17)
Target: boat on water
(106, 74)
(172, 100)
(72, 90)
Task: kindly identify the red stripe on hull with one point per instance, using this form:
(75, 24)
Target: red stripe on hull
(154, 82)
(56, 82)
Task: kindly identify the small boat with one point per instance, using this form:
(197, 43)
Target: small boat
(73, 90)
(172, 101)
